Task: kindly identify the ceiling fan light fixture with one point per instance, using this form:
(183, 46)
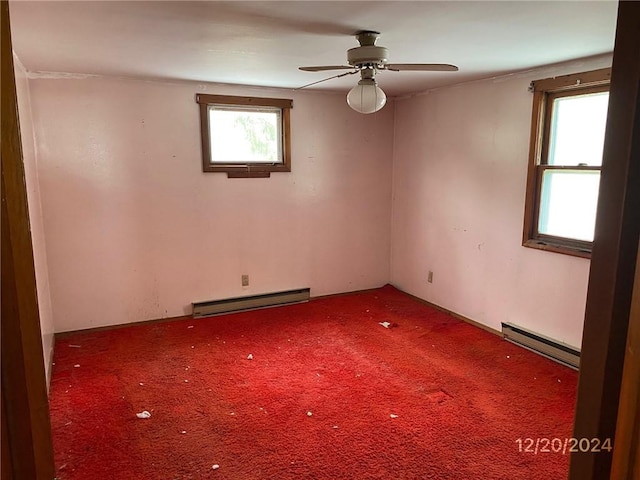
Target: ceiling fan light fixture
(366, 96)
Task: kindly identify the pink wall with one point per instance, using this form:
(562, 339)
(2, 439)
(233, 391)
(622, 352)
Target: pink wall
(135, 230)
(35, 213)
(459, 173)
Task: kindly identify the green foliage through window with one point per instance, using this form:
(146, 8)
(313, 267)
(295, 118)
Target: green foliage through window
(240, 135)
(261, 135)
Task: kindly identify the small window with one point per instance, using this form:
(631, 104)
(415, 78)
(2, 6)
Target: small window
(245, 136)
(567, 141)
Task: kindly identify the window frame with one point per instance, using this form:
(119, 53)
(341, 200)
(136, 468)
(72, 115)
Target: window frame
(247, 169)
(544, 93)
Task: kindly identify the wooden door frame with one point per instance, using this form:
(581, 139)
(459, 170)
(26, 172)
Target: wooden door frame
(26, 429)
(613, 260)
(626, 456)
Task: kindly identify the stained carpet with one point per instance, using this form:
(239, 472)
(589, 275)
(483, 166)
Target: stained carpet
(328, 394)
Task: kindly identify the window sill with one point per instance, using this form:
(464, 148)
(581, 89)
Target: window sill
(247, 171)
(555, 248)
(248, 174)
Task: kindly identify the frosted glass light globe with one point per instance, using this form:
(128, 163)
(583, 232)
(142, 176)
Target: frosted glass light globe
(366, 97)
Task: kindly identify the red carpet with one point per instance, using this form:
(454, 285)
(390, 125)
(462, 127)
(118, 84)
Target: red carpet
(316, 401)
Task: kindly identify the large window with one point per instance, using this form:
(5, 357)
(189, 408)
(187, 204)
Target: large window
(245, 136)
(567, 139)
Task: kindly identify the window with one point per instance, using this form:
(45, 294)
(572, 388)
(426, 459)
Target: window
(567, 140)
(245, 136)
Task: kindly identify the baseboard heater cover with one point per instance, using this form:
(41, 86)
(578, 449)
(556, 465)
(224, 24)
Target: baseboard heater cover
(545, 346)
(228, 305)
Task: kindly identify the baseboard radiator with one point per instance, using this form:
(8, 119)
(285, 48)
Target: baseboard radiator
(545, 346)
(238, 304)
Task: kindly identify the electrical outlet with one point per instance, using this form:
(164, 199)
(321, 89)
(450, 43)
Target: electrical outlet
(245, 280)
(430, 277)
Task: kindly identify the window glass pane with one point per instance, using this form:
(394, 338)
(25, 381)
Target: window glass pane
(568, 203)
(245, 135)
(577, 129)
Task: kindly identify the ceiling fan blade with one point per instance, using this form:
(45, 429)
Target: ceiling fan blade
(421, 67)
(324, 80)
(325, 67)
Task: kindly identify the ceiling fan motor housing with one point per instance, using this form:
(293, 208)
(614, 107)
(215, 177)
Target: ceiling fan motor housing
(368, 54)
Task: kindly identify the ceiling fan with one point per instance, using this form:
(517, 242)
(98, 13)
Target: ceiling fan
(368, 59)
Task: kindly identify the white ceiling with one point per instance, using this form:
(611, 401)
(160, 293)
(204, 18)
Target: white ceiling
(263, 43)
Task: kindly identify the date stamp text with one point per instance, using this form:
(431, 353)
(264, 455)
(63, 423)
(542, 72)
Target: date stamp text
(563, 446)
